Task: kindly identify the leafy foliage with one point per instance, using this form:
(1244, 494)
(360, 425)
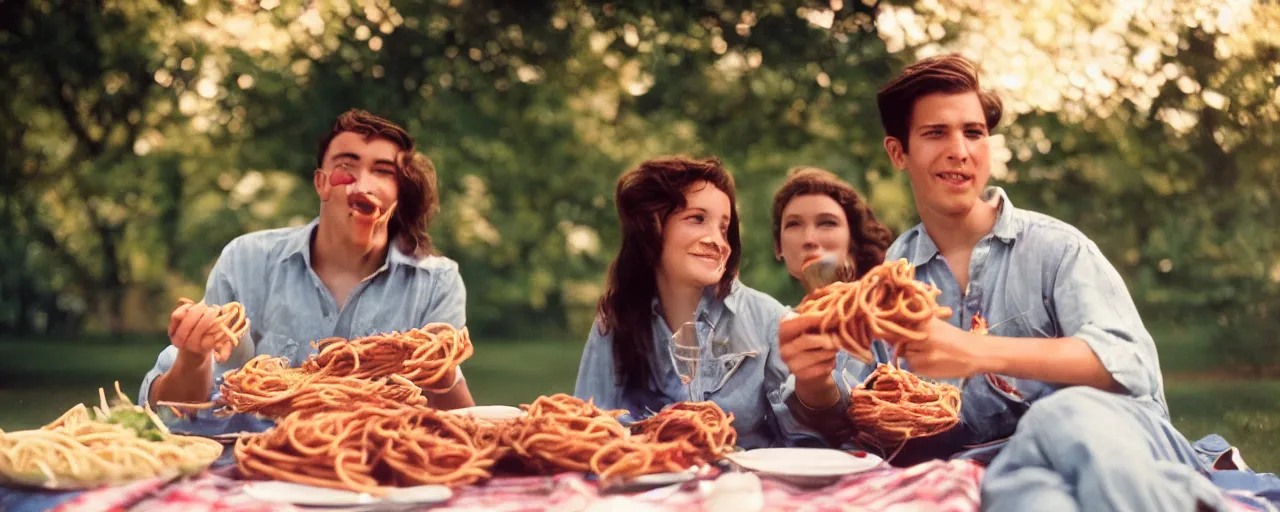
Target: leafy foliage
(140, 137)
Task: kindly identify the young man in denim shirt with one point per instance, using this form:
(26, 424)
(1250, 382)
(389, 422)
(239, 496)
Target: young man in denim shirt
(364, 266)
(1065, 392)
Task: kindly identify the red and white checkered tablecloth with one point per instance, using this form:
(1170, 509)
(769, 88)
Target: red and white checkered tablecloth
(942, 486)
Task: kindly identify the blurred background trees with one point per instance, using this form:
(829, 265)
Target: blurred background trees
(140, 137)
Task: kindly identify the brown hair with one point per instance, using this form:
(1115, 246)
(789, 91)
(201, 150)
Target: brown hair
(419, 199)
(868, 238)
(646, 197)
(948, 74)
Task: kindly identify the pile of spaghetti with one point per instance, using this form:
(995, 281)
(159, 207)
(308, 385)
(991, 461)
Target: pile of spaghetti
(563, 433)
(113, 444)
(887, 302)
(369, 448)
(268, 387)
(703, 425)
(682, 435)
(893, 405)
(393, 367)
(373, 447)
(429, 357)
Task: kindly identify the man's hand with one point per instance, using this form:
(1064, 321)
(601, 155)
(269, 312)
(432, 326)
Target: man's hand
(811, 357)
(947, 352)
(192, 330)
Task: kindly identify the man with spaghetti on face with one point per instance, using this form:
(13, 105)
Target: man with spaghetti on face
(1064, 395)
(364, 266)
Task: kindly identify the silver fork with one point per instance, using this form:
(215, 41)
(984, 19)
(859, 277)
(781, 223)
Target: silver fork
(826, 270)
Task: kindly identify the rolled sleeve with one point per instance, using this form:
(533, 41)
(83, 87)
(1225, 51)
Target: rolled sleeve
(1093, 305)
(779, 388)
(163, 363)
(449, 304)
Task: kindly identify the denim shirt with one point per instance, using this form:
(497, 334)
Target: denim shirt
(288, 307)
(1033, 276)
(742, 371)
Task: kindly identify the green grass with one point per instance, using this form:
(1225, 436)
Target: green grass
(517, 373)
(1245, 412)
(41, 380)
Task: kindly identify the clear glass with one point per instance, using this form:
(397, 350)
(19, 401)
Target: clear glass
(686, 354)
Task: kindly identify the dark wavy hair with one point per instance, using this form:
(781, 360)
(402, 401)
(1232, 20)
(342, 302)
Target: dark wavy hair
(419, 199)
(868, 238)
(949, 74)
(646, 197)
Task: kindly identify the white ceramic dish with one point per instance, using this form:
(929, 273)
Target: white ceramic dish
(804, 466)
(661, 479)
(308, 495)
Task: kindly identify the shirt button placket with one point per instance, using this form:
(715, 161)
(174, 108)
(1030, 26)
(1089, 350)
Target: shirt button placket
(973, 304)
(705, 344)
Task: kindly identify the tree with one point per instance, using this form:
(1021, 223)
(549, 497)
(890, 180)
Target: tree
(129, 166)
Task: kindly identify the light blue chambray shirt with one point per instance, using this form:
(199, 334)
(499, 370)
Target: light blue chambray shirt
(1033, 276)
(743, 372)
(269, 272)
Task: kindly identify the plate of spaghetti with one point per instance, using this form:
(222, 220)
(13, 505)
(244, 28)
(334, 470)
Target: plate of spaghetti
(111, 445)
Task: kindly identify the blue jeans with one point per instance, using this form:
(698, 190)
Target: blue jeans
(1084, 449)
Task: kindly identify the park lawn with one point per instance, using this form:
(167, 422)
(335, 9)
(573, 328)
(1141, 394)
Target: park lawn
(41, 380)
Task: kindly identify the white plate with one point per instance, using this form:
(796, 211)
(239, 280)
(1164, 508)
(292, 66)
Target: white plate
(298, 494)
(490, 412)
(419, 494)
(803, 463)
(663, 479)
(652, 481)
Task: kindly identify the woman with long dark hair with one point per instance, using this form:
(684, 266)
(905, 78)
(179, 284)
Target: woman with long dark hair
(678, 264)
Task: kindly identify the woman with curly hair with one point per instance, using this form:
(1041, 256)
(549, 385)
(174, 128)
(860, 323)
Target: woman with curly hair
(816, 214)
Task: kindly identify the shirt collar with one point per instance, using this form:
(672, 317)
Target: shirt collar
(299, 244)
(1005, 229)
(710, 308)
(1007, 225)
(924, 248)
